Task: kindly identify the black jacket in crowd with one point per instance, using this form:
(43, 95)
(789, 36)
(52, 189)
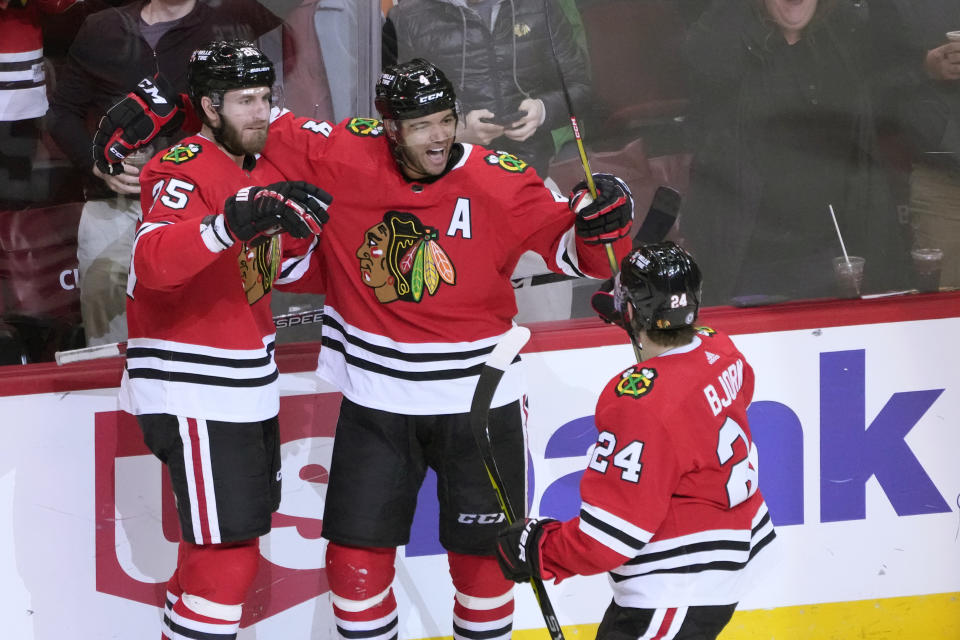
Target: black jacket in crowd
(496, 69)
(109, 56)
(779, 134)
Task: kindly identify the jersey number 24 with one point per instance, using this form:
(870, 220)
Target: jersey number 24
(741, 480)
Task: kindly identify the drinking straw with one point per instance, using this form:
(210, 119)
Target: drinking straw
(837, 227)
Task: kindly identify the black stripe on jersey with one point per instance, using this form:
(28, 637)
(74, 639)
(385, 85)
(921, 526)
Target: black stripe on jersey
(11, 85)
(197, 358)
(193, 633)
(416, 376)
(482, 635)
(368, 633)
(612, 531)
(762, 543)
(144, 228)
(20, 65)
(760, 525)
(569, 261)
(718, 565)
(197, 378)
(387, 352)
(291, 265)
(711, 545)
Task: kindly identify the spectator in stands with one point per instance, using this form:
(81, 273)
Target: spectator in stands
(23, 92)
(782, 127)
(113, 50)
(499, 56)
(920, 93)
(322, 61)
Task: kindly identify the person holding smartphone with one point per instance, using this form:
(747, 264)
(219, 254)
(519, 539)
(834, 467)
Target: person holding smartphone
(500, 57)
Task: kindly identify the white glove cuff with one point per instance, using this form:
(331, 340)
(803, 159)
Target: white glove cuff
(213, 231)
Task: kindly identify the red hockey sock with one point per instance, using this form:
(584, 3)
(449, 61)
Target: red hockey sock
(173, 594)
(483, 603)
(213, 580)
(363, 603)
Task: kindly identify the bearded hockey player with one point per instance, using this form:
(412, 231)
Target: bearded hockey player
(670, 504)
(200, 374)
(416, 270)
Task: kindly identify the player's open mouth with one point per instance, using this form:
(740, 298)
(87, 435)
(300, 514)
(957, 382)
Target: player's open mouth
(437, 156)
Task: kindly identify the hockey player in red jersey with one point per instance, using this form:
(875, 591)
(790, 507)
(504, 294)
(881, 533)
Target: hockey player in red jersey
(669, 500)
(200, 374)
(416, 269)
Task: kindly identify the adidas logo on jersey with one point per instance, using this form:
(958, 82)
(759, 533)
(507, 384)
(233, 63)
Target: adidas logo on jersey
(711, 357)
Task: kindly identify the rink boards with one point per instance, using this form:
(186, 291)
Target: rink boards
(858, 428)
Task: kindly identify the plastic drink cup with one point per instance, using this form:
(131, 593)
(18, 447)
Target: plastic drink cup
(140, 157)
(926, 268)
(849, 275)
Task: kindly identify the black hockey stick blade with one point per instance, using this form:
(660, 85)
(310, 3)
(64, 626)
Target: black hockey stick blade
(660, 217)
(500, 358)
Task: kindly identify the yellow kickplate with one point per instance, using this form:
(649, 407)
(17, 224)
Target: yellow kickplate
(931, 617)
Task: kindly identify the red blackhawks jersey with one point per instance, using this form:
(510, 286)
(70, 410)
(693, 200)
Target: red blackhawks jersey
(417, 273)
(23, 91)
(201, 335)
(670, 504)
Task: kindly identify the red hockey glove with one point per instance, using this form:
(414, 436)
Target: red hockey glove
(298, 208)
(149, 110)
(518, 548)
(608, 218)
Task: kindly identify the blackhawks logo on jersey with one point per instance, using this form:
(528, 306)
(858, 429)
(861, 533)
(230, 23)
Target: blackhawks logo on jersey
(636, 381)
(365, 127)
(506, 161)
(182, 153)
(258, 268)
(706, 332)
(400, 259)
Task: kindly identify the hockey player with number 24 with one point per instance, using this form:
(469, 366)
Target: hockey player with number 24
(670, 505)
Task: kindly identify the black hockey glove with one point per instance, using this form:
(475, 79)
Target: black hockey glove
(298, 208)
(608, 218)
(603, 303)
(149, 110)
(518, 548)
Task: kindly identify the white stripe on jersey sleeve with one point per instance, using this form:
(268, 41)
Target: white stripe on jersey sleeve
(292, 269)
(566, 256)
(613, 532)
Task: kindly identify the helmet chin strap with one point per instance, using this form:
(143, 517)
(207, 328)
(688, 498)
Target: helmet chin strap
(631, 328)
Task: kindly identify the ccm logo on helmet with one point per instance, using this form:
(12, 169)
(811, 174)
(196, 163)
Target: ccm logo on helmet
(429, 97)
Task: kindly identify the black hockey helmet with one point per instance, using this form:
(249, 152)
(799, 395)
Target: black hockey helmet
(413, 89)
(662, 283)
(223, 65)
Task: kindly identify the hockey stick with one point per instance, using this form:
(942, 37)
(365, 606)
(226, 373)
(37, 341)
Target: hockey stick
(574, 124)
(282, 321)
(503, 354)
